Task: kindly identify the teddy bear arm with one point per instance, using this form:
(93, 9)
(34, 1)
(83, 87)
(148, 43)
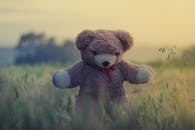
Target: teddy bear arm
(136, 73)
(68, 78)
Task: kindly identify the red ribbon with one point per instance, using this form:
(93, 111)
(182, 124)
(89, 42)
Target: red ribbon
(108, 72)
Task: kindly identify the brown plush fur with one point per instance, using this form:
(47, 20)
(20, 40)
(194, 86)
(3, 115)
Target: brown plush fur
(103, 41)
(99, 84)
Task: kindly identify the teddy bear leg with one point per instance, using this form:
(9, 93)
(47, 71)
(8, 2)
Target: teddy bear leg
(88, 114)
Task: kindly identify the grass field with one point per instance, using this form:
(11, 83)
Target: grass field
(28, 101)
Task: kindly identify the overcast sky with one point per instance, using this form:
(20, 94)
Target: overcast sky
(149, 21)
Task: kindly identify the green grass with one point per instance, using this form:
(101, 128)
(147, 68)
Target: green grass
(28, 101)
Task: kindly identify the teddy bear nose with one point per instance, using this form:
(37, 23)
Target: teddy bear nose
(105, 63)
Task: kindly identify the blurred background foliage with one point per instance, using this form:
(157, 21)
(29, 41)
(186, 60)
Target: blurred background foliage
(37, 48)
(33, 48)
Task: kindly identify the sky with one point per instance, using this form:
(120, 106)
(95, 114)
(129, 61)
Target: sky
(150, 22)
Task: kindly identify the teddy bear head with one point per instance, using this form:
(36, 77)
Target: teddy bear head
(103, 48)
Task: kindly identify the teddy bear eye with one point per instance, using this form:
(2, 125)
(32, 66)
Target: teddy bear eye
(94, 52)
(117, 53)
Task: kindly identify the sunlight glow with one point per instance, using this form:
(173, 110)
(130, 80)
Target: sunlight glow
(151, 22)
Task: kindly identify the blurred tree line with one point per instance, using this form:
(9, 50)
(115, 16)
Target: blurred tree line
(188, 55)
(37, 48)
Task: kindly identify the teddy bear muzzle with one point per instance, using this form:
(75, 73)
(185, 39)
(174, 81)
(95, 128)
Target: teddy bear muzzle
(105, 60)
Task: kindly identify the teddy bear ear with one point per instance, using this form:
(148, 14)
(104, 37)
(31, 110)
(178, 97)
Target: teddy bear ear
(125, 39)
(83, 39)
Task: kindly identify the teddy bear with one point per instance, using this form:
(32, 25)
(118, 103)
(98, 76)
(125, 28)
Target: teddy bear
(101, 73)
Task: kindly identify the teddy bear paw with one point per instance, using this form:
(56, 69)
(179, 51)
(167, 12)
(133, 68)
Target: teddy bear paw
(61, 79)
(144, 74)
